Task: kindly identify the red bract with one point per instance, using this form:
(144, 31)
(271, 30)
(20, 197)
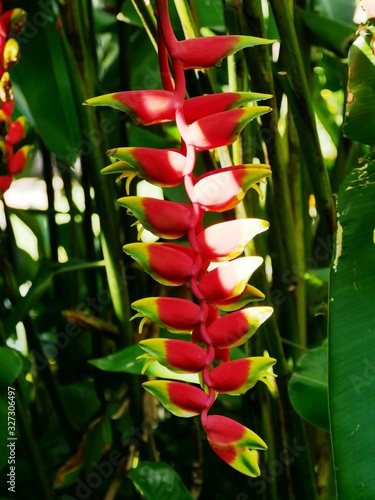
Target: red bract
(229, 279)
(176, 315)
(227, 240)
(166, 263)
(203, 53)
(205, 133)
(177, 355)
(204, 122)
(223, 189)
(146, 107)
(166, 219)
(162, 167)
(236, 328)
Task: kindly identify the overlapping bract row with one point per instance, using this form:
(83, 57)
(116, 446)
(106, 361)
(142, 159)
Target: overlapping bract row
(12, 131)
(218, 276)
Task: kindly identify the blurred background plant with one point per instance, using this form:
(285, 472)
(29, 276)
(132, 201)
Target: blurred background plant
(85, 428)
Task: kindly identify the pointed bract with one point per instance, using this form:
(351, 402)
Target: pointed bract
(177, 355)
(167, 263)
(223, 189)
(205, 52)
(210, 104)
(250, 294)
(176, 315)
(206, 134)
(225, 433)
(162, 167)
(243, 460)
(146, 107)
(236, 328)
(12, 21)
(238, 376)
(17, 131)
(227, 240)
(163, 218)
(18, 160)
(229, 279)
(181, 399)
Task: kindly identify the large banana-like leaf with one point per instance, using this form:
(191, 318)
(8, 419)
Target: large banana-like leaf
(352, 336)
(45, 80)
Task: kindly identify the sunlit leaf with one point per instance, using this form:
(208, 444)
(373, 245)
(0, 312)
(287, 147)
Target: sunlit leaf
(308, 388)
(351, 336)
(359, 122)
(158, 481)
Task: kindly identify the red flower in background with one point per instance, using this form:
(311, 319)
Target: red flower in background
(11, 131)
(204, 122)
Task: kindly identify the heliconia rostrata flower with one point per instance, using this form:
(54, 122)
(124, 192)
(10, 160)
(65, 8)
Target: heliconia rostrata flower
(11, 132)
(211, 264)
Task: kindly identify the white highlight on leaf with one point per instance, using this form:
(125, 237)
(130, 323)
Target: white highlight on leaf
(338, 246)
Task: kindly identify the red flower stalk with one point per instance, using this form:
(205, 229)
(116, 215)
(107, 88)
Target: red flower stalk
(204, 122)
(11, 132)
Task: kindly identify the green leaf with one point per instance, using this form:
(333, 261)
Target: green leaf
(34, 223)
(351, 336)
(308, 388)
(211, 15)
(81, 401)
(11, 366)
(129, 15)
(158, 481)
(342, 10)
(359, 122)
(126, 361)
(43, 77)
(329, 33)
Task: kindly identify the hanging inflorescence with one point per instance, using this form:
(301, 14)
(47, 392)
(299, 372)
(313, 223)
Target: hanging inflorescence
(12, 131)
(218, 279)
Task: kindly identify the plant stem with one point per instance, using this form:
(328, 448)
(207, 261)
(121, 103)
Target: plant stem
(305, 119)
(186, 18)
(93, 162)
(298, 212)
(148, 20)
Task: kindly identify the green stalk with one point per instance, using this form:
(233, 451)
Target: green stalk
(93, 163)
(148, 20)
(186, 17)
(305, 119)
(52, 227)
(233, 87)
(298, 212)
